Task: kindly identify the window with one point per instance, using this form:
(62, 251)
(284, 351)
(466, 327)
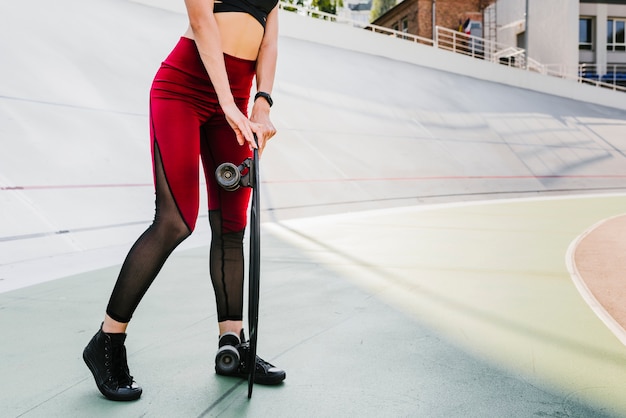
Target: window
(405, 25)
(615, 35)
(585, 31)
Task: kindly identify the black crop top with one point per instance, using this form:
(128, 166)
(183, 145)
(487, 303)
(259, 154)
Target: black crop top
(258, 9)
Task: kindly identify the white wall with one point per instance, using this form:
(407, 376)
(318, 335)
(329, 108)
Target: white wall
(553, 35)
(510, 20)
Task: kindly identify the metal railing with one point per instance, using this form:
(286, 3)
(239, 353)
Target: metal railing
(484, 49)
(305, 11)
(614, 74)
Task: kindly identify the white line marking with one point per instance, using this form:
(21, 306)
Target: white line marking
(583, 289)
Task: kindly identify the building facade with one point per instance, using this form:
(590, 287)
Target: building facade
(416, 16)
(563, 35)
(601, 39)
(357, 11)
(567, 33)
(552, 30)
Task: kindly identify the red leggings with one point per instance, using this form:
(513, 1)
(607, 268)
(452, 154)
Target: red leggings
(186, 125)
(187, 122)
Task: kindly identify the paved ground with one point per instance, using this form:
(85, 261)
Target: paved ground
(392, 284)
(450, 310)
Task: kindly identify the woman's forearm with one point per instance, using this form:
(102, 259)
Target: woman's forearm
(208, 41)
(268, 54)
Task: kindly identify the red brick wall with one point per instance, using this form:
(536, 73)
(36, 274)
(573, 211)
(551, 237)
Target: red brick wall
(418, 14)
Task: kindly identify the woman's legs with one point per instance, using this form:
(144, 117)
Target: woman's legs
(148, 254)
(226, 264)
(228, 217)
(175, 148)
(228, 213)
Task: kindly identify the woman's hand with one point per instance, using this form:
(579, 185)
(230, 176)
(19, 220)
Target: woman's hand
(242, 126)
(263, 126)
(259, 124)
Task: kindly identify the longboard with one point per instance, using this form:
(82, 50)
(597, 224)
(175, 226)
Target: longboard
(231, 177)
(255, 268)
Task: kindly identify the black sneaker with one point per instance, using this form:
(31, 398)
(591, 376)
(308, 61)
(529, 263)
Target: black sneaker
(105, 355)
(231, 360)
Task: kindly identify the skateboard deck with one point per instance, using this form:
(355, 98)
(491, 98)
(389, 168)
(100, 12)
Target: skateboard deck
(231, 177)
(255, 268)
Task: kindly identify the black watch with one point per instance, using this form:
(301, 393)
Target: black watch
(264, 95)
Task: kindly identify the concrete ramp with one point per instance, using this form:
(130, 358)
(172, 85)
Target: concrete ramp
(359, 130)
(75, 169)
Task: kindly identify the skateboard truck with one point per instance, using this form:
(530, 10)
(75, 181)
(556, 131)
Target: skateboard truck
(231, 177)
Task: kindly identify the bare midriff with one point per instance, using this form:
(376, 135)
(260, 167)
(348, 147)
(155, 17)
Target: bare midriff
(241, 34)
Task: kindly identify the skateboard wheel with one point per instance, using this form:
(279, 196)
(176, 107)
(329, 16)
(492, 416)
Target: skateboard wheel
(227, 359)
(228, 176)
